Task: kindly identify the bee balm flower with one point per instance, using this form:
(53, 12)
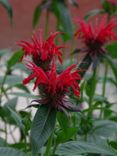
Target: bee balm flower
(55, 86)
(96, 35)
(42, 52)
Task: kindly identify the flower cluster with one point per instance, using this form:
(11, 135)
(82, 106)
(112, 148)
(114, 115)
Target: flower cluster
(42, 52)
(94, 36)
(53, 87)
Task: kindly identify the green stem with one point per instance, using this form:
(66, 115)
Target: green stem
(84, 65)
(92, 92)
(2, 86)
(48, 148)
(104, 85)
(54, 149)
(46, 24)
(105, 79)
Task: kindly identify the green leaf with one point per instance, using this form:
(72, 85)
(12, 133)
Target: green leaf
(11, 103)
(2, 142)
(63, 136)
(7, 6)
(14, 58)
(112, 65)
(112, 49)
(63, 120)
(92, 13)
(7, 151)
(84, 65)
(73, 148)
(23, 94)
(42, 127)
(13, 117)
(104, 128)
(12, 80)
(64, 19)
(16, 117)
(37, 14)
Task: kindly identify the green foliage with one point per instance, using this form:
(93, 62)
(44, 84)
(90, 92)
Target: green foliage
(92, 131)
(7, 6)
(78, 147)
(42, 127)
(6, 151)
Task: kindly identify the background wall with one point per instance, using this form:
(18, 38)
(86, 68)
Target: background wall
(22, 20)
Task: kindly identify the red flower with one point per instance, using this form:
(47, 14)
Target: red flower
(53, 86)
(42, 52)
(96, 35)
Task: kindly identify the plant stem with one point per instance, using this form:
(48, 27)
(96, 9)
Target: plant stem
(2, 86)
(104, 86)
(105, 79)
(48, 148)
(46, 24)
(84, 65)
(92, 92)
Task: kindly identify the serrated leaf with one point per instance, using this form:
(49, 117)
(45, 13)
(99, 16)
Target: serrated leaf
(42, 127)
(80, 147)
(7, 6)
(7, 151)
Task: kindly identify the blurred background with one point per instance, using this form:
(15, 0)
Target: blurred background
(23, 11)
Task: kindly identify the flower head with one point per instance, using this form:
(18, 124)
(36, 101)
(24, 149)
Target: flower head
(55, 86)
(96, 35)
(42, 52)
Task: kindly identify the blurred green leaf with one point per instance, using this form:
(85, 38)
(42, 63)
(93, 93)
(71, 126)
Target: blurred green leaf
(37, 14)
(7, 6)
(92, 13)
(112, 65)
(23, 94)
(12, 80)
(112, 50)
(74, 148)
(63, 136)
(11, 103)
(104, 128)
(64, 19)
(16, 117)
(14, 58)
(2, 142)
(63, 120)
(7, 151)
